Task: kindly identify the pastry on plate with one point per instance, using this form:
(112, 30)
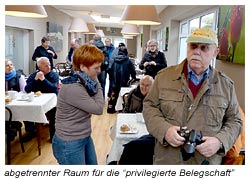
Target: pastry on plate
(8, 99)
(38, 93)
(124, 128)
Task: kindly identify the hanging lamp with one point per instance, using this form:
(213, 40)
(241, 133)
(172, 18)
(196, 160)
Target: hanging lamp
(130, 29)
(33, 11)
(78, 25)
(140, 15)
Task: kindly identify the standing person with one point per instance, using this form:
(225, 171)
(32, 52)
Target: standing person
(121, 70)
(111, 78)
(46, 81)
(80, 96)
(45, 50)
(74, 44)
(103, 74)
(110, 48)
(153, 59)
(136, 96)
(193, 96)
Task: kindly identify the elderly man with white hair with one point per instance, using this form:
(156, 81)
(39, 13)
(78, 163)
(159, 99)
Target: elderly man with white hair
(192, 108)
(46, 81)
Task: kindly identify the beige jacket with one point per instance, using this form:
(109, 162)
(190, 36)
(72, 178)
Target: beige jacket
(214, 111)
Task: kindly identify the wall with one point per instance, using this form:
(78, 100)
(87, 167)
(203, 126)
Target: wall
(237, 73)
(37, 29)
(145, 30)
(131, 45)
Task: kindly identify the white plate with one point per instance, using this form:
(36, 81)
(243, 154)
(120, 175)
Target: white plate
(22, 99)
(133, 130)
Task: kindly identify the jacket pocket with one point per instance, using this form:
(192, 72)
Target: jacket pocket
(214, 109)
(171, 103)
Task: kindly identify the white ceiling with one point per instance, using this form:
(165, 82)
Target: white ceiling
(84, 11)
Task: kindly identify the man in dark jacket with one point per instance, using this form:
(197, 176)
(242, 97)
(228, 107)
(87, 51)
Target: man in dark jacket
(45, 50)
(74, 44)
(121, 70)
(97, 41)
(46, 81)
(110, 48)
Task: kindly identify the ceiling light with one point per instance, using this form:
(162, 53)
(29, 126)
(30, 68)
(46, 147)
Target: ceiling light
(106, 19)
(78, 25)
(140, 15)
(92, 29)
(125, 36)
(100, 32)
(130, 29)
(35, 11)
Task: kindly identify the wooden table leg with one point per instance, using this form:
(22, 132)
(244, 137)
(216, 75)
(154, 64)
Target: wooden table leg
(38, 127)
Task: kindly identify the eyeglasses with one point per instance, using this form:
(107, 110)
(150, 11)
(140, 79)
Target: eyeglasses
(202, 47)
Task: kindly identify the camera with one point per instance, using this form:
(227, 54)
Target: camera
(192, 139)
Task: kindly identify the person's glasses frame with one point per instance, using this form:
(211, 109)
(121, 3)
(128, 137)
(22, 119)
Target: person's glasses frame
(201, 46)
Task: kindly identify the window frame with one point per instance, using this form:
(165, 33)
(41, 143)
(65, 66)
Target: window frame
(187, 21)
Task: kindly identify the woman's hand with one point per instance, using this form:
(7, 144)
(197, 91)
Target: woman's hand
(145, 64)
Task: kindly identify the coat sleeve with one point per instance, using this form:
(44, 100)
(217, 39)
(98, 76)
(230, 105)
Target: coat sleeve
(30, 83)
(22, 83)
(132, 70)
(141, 65)
(162, 61)
(81, 99)
(55, 55)
(232, 122)
(51, 84)
(36, 54)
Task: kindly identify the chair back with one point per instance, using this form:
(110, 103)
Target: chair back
(63, 69)
(139, 151)
(8, 114)
(9, 131)
(125, 102)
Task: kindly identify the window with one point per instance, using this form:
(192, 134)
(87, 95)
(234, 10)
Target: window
(16, 40)
(160, 39)
(207, 19)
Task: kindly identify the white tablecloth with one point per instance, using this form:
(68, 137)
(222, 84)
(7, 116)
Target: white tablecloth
(119, 102)
(33, 111)
(119, 139)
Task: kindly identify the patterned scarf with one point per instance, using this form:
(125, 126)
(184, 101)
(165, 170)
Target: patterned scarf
(153, 54)
(82, 78)
(10, 75)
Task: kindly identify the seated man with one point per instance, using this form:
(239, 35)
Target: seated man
(135, 97)
(46, 81)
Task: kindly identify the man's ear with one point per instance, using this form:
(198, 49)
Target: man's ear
(216, 52)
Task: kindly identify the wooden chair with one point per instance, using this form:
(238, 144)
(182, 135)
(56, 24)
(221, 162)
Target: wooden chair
(236, 155)
(63, 69)
(11, 129)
